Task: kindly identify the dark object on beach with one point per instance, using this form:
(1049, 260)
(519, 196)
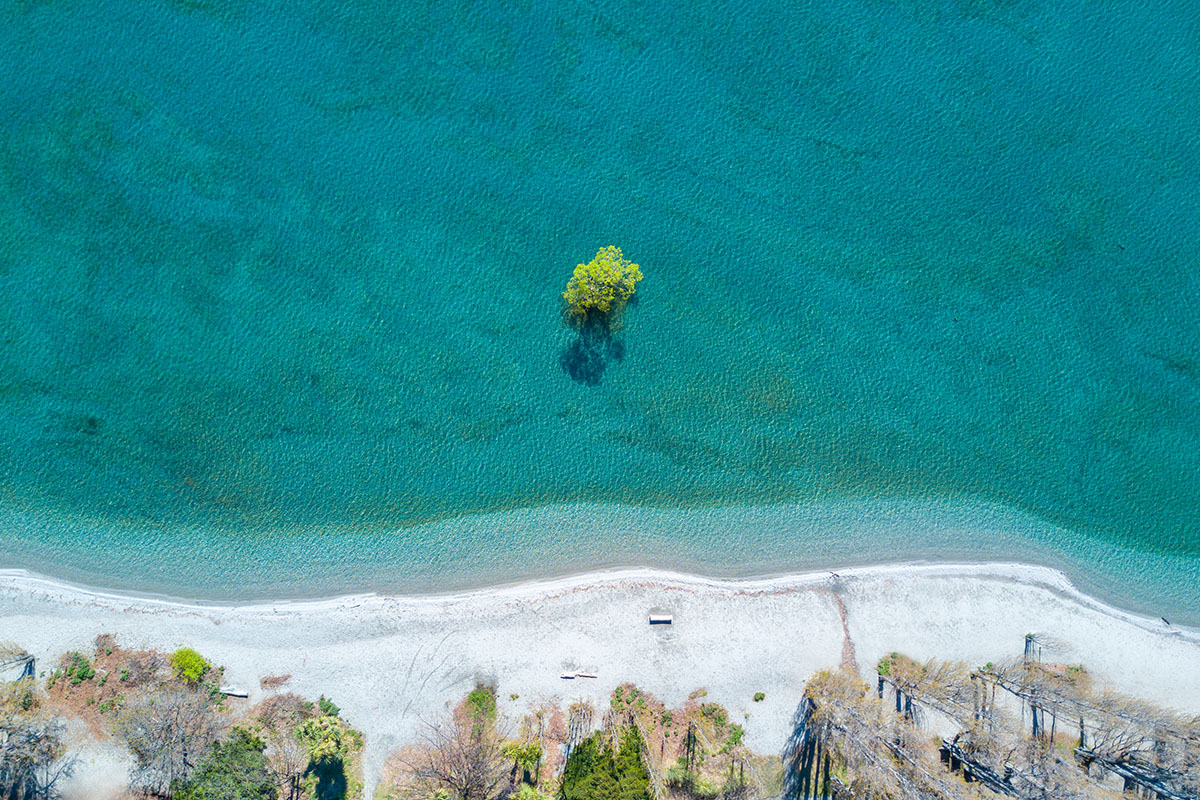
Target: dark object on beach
(1165, 620)
(660, 619)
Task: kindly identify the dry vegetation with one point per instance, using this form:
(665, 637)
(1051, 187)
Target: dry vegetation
(932, 730)
(33, 756)
(186, 739)
(1026, 729)
(635, 748)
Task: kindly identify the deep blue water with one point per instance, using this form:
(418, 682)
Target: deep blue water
(274, 269)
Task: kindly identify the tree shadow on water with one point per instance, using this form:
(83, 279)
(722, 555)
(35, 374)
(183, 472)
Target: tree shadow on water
(594, 347)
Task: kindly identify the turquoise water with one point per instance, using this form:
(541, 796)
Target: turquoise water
(281, 289)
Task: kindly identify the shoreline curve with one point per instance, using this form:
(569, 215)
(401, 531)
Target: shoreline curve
(1034, 575)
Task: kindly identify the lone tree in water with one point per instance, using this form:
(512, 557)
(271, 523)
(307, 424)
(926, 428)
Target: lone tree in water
(601, 287)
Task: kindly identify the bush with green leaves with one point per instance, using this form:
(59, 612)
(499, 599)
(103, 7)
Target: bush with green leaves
(328, 708)
(233, 769)
(527, 792)
(189, 665)
(481, 704)
(79, 669)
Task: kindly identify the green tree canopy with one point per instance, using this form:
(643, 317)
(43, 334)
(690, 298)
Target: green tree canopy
(526, 754)
(601, 286)
(233, 769)
(328, 738)
(594, 772)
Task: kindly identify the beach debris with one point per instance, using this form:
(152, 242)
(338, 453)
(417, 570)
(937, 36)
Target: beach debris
(661, 619)
(233, 691)
(570, 676)
(273, 681)
(1165, 620)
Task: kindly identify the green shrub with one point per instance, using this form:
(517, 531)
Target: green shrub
(19, 695)
(527, 792)
(760, 696)
(327, 707)
(714, 712)
(189, 665)
(80, 669)
(736, 734)
(481, 704)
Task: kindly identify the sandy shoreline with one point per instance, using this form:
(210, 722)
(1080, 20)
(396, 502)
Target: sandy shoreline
(391, 661)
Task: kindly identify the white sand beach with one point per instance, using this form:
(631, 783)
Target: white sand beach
(390, 662)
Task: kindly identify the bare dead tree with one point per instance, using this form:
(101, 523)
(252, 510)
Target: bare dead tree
(33, 758)
(167, 731)
(287, 757)
(579, 723)
(1148, 746)
(841, 727)
(461, 755)
(942, 685)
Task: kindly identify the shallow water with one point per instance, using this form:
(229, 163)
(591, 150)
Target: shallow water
(471, 551)
(286, 273)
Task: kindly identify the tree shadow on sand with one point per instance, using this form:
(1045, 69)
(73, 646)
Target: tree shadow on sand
(331, 778)
(593, 349)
